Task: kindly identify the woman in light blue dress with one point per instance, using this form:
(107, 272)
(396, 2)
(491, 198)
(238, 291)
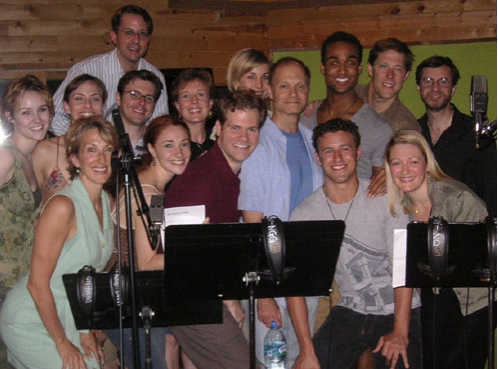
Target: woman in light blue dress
(75, 229)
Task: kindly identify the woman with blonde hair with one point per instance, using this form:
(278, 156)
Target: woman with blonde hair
(193, 93)
(454, 320)
(26, 110)
(249, 70)
(74, 230)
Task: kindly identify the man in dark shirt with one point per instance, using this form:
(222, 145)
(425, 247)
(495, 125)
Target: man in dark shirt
(212, 180)
(450, 133)
(451, 136)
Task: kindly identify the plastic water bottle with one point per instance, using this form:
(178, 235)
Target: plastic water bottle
(275, 348)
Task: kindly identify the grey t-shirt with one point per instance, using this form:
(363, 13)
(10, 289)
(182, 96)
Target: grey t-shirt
(375, 133)
(364, 268)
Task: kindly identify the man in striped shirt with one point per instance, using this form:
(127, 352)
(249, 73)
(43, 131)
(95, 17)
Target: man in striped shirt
(131, 33)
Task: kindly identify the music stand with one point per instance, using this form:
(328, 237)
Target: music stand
(149, 293)
(467, 253)
(471, 259)
(219, 261)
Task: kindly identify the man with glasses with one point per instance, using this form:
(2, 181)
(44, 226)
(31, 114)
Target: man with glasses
(131, 34)
(459, 339)
(138, 91)
(450, 133)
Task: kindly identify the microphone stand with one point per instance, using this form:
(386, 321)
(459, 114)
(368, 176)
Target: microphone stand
(130, 178)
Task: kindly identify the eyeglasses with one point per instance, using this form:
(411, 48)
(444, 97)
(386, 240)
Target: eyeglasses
(429, 82)
(130, 34)
(135, 95)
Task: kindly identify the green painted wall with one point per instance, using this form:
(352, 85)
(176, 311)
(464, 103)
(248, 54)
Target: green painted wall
(477, 58)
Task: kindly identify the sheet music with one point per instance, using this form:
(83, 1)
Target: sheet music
(183, 215)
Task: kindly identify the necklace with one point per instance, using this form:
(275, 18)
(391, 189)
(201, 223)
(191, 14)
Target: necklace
(330, 207)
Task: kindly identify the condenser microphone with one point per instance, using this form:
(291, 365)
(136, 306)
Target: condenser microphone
(479, 104)
(274, 241)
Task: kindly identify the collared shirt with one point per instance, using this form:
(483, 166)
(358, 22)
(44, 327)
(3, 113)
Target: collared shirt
(209, 181)
(397, 114)
(456, 203)
(107, 68)
(265, 176)
(456, 154)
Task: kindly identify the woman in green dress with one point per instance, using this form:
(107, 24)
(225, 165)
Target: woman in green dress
(75, 229)
(26, 109)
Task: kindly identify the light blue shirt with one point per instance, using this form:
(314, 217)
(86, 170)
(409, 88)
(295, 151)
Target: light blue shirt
(107, 68)
(265, 176)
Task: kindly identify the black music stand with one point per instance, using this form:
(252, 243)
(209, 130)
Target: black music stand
(228, 262)
(150, 294)
(471, 261)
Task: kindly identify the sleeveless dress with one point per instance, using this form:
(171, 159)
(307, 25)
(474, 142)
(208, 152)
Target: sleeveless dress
(18, 209)
(28, 342)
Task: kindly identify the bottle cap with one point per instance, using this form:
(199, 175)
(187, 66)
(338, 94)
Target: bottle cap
(273, 324)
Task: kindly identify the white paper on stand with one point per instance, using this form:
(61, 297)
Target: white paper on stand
(183, 215)
(399, 258)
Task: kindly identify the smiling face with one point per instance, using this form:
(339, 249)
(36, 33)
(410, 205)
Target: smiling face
(256, 80)
(171, 149)
(342, 67)
(408, 168)
(85, 101)
(131, 46)
(388, 74)
(31, 118)
(136, 112)
(436, 97)
(194, 102)
(289, 90)
(93, 158)
(338, 155)
(239, 136)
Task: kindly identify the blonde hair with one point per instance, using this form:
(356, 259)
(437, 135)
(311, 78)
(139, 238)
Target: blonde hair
(242, 62)
(415, 138)
(75, 133)
(14, 93)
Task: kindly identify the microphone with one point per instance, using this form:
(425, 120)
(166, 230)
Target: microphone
(478, 107)
(127, 159)
(124, 138)
(156, 217)
(274, 241)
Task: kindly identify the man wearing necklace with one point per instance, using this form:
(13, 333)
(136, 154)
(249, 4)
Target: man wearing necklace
(341, 56)
(450, 133)
(279, 175)
(370, 314)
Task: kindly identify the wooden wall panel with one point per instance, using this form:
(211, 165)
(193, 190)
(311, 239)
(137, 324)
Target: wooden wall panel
(49, 36)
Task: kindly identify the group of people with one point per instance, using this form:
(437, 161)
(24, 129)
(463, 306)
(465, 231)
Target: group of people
(359, 156)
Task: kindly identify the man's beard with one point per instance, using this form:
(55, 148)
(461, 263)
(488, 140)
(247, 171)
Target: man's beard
(437, 107)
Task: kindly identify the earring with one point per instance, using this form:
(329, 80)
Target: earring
(153, 163)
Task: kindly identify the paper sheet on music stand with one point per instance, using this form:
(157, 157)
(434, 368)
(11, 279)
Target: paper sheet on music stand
(399, 258)
(183, 215)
